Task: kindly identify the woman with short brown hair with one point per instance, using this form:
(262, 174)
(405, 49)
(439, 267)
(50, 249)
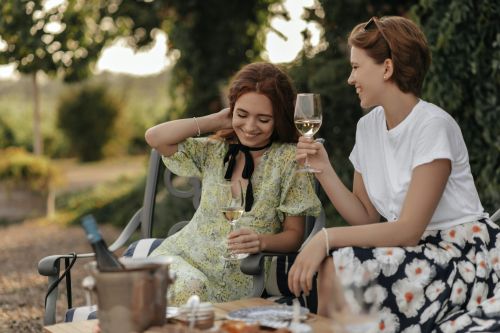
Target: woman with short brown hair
(435, 261)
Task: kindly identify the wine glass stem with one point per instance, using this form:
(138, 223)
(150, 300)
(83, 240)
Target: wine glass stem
(306, 161)
(232, 227)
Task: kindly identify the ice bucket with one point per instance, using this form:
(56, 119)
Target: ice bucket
(134, 299)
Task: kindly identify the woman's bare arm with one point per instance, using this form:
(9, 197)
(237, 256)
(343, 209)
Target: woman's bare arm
(354, 206)
(425, 190)
(245, 240)
(164, 137)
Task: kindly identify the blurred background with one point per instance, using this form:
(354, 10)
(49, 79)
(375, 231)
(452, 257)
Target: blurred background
(81, 81)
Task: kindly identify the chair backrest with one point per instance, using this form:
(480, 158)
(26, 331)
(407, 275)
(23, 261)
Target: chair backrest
(159, 178)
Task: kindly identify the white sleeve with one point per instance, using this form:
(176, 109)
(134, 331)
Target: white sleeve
(436, 140)
(354, 156)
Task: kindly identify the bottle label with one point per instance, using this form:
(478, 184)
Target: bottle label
(90, 226)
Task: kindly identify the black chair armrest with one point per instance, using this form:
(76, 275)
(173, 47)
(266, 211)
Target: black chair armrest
(50, 266)
(254, 265)
(176, 227)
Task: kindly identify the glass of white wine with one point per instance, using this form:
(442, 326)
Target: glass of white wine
(357, 309)
(308, 118)
(232, 205)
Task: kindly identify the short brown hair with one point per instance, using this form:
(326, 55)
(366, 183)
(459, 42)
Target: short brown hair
(269, 80)
(401, 40)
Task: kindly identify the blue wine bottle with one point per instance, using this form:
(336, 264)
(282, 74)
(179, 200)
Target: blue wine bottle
(106, 260)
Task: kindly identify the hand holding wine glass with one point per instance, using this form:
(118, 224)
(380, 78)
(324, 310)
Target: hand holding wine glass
(232, 205)
(308, 118)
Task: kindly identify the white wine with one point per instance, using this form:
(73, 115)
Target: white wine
(232, 213)
(308, 127)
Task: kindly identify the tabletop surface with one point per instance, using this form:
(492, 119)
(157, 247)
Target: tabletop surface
(318, 323)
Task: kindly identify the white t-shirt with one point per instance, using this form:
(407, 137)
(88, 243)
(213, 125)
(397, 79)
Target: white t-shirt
(386, 158)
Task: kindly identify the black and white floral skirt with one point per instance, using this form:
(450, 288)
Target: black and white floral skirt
(447, 283)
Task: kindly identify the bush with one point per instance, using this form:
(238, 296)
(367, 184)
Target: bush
(111, 202)
(89, 119)
(7, 135)
(19, 168)
(464, 78)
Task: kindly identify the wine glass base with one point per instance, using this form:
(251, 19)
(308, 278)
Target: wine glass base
(361, 323)
(307, 170)
(235, 256)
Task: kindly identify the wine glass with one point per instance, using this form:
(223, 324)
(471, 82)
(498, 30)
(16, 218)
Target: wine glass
(307, 118)
(356, 309)
(232, 205)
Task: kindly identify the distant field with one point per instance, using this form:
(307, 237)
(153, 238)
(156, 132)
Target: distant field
(78, 176)
(145, 101)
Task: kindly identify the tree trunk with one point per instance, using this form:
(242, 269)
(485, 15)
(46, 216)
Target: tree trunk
(37, 135)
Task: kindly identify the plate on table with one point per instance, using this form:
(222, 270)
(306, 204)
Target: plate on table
(274, 316)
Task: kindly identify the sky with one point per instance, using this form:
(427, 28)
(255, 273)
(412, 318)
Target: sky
(119, 58)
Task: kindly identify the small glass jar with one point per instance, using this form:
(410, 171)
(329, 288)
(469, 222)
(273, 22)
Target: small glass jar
(203, 315)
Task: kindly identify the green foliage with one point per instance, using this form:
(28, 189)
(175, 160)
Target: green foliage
(214, 46)
(113, 202)
(326, 73)
(7, 136)
(144, 101)
(210, 40)
(72, 42)
(19, 168)
(63, 40)
(116, 202)
(89, 118)
(464, 80)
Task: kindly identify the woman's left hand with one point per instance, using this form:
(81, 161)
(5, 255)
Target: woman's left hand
(300, 276)
(244, 240)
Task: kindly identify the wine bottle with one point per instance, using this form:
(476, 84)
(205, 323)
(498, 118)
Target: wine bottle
(106, 260)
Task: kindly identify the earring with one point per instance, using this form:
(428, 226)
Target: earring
(385, 77)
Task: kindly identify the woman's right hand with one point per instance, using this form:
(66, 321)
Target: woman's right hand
(315, 152)
(300, 276)
(225, 119)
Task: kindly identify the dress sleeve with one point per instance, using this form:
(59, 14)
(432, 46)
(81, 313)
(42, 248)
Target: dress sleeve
(436, 140)
(189, 160)
(297, 192)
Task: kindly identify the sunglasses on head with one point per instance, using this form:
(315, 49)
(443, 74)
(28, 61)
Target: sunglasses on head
(375, 22)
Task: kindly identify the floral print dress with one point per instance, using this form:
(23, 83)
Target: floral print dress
(447, 283)
(197, 249)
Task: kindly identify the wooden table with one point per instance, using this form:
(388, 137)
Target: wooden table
(318, 323)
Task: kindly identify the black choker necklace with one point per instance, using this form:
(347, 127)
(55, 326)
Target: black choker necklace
(247, 169)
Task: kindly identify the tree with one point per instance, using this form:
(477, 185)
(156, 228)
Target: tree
(64, 40)
(88, 118)
(464, 79)
(210, 40)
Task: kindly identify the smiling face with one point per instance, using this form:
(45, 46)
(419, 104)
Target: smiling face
(253, 119)
(367, 77)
